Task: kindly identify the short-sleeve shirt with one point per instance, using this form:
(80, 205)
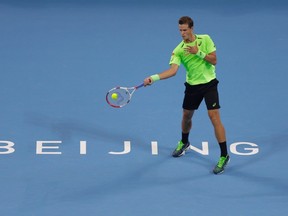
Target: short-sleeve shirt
(198, 71)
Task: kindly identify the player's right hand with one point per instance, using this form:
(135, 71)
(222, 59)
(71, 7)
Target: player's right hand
(148, 81)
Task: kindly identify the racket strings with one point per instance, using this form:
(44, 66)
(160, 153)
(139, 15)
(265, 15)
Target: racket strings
(123, 97)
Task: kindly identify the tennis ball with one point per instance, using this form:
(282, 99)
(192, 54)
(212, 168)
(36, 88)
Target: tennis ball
(114, 96)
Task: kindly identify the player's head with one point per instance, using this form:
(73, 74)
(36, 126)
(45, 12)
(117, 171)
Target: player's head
(186, 20)
(186, 28)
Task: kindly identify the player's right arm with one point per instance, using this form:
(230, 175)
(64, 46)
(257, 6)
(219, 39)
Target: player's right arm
(172, 71)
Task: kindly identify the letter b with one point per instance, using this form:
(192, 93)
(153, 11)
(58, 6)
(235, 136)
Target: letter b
(7, 147)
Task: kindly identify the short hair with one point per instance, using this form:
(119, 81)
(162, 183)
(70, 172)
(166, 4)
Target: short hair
(186, 20)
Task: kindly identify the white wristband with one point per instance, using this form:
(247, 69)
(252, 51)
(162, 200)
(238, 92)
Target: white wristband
(155, 77)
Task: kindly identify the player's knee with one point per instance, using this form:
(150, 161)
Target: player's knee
(214, 115)
(187, 114)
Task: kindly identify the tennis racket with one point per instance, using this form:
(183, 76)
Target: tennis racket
(120, 96)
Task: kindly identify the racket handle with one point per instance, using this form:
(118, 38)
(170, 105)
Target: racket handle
(139, 86)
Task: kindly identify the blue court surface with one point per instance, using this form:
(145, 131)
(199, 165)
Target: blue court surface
(64, 151)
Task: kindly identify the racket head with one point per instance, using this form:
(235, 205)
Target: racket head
(123, 97)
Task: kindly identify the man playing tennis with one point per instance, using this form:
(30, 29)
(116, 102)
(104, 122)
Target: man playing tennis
(197, 53)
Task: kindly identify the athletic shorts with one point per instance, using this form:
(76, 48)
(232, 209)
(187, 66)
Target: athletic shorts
(194, 95)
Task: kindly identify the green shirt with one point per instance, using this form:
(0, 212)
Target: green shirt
(198, 71)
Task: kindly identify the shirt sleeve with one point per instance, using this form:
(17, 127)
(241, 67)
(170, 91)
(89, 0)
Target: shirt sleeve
(210, 46)
(175, 59)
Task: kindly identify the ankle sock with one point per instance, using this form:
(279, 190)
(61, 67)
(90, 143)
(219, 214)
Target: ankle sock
(185, 138)
(223, 149)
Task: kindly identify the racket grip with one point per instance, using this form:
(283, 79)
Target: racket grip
(139, 86)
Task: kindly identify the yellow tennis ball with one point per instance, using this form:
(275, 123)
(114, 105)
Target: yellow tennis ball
(114, 96)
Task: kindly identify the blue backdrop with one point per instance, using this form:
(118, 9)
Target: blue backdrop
(58, 135)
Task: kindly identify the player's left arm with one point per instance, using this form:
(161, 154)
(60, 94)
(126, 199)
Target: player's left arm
(210, 49)
(211, 58)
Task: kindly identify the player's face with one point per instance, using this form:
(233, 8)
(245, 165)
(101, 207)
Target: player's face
(186, 32)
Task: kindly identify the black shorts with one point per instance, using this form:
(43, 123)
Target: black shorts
(194, 95)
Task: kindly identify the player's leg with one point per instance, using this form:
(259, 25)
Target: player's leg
(219, 129)
(213, 106)
(187, 121)
(191, 102)
(186, 126)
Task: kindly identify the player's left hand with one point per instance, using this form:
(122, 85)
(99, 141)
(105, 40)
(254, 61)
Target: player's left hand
(191, 49)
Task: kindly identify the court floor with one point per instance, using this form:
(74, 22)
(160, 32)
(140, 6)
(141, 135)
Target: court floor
(64, 151)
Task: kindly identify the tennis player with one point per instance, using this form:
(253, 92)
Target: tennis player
(197, 53)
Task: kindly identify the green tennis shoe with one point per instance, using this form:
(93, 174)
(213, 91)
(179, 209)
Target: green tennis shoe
(180, 150)
(219, 168)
